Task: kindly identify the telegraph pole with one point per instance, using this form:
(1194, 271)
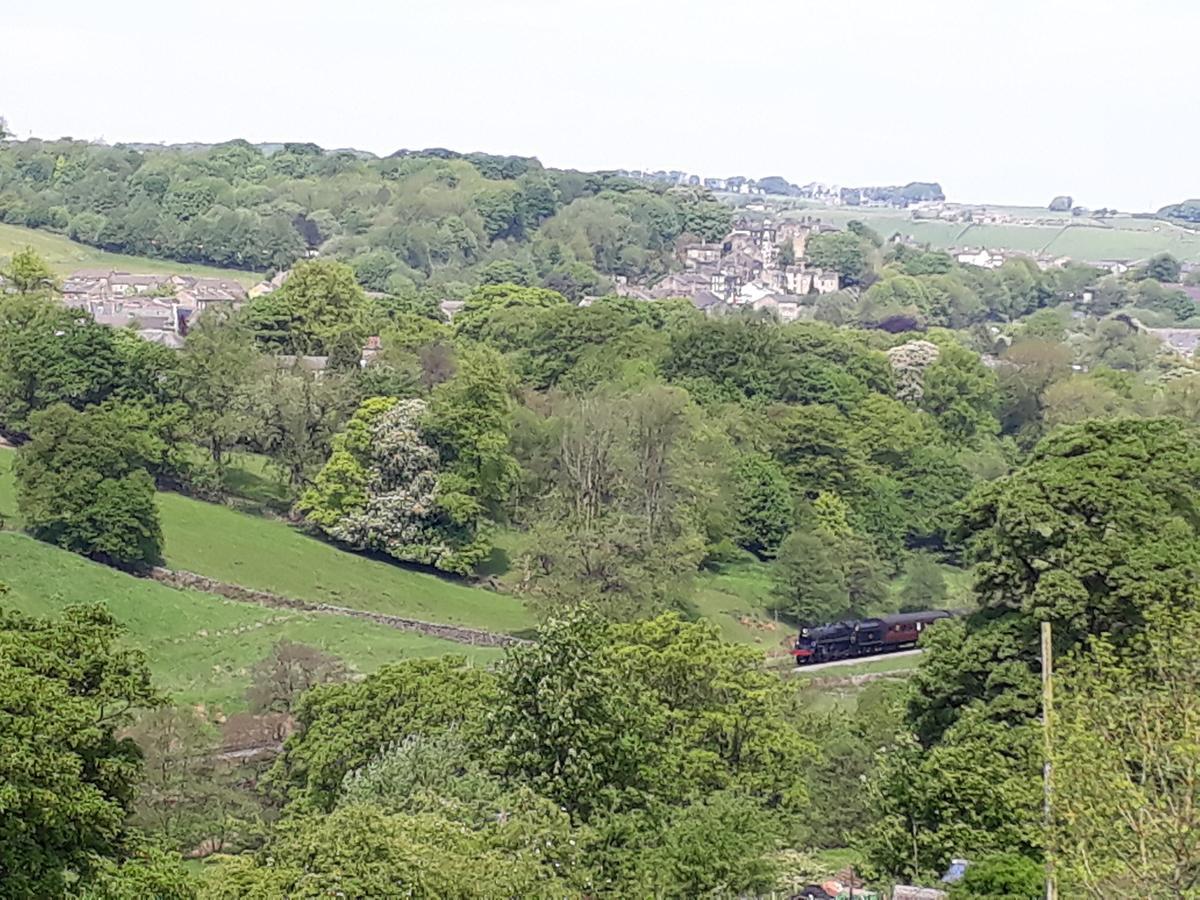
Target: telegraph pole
(1047, 746)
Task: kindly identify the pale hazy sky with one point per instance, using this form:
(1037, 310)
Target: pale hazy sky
(999, 100)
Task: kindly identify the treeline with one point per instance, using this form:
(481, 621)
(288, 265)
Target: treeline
(405, 222)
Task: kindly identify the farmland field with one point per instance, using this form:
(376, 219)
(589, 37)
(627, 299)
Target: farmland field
(1079, 238)
(200, 647)
(64, 256)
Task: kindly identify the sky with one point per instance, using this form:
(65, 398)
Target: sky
(1001, 101)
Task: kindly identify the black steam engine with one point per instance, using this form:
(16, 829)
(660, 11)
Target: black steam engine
(865, 637)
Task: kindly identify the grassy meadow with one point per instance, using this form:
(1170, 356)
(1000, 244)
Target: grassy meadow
(270, 555)
(200, 647)
(64, 256)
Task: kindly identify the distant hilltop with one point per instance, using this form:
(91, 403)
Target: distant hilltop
(1187, 211)
(776, 185)
(900, 196)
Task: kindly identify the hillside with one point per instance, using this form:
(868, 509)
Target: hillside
(200, 647)
(268, 555)
(431, 218)
(64, 256)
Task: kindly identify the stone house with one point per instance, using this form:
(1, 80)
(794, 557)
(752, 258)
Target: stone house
(695, 255)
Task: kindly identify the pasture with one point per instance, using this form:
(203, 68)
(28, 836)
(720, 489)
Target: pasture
(200, 648)
(270, 555)
(1081, 238)
(64, 256)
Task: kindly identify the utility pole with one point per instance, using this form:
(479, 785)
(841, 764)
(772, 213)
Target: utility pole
(1047, 746)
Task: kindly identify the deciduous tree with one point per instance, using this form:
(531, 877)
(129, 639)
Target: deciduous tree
(82, 485)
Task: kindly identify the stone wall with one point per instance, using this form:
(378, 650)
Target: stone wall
(191, 581)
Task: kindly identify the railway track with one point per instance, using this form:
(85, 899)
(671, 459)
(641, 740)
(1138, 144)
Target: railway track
(855, 661)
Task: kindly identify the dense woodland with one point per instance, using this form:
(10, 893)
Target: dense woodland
(594, 459)
(434, 219)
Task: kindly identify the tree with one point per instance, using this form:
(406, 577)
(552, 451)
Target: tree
(503, 315)
(187, 795)
(1001, 876)
(295, 415)
(379, 489)
(290, 669)
(924, 585)
(343, 726)
(1126, 771)
(605, 718)
(1162, 268)
(1094, 530)
(217, 369)
(975, 793)
(900, 297)
(82, 485)
(1118, 345)
(810, 579)
(629, 489)
(762, 505)
(359, 851)
(68, 687)
(51, 354)
(28, 273)
(1079, 398)
(716, 846)
(961, 393)
(909, 362)
(144, 872)
(1033, 366)
(468, 421)
(319, 302)
(840, 251)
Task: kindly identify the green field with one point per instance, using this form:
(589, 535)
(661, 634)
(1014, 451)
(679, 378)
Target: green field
(270, 555)
(64, 256)
(735, 598)
(1079, 238)
(200, 647)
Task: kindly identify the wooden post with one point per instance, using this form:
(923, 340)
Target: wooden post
(1047, 746)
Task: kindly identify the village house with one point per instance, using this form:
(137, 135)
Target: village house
(797, 280)
(200, 294)
(695, 255)
(270, 285)
(786, 308)
(826, 282)
(126, 284)
(158, 307)
(981, 258)
(708, 303)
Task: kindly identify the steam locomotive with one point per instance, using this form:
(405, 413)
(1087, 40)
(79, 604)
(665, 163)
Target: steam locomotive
(865, 637)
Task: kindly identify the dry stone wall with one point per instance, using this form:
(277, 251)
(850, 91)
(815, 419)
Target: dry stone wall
(191, 581)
